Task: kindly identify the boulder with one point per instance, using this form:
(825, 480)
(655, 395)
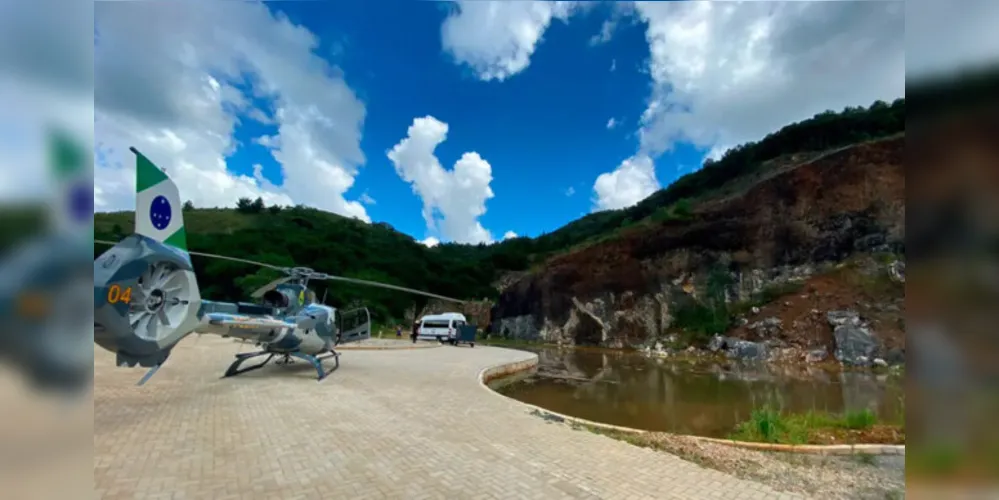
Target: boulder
(748, 351)
(856, 345)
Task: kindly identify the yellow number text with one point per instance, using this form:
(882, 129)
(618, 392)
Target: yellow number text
(116, 294)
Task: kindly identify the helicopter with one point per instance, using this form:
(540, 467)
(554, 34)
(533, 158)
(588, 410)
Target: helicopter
(146, 296)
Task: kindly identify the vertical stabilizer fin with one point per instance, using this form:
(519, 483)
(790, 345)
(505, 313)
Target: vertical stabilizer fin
(159, 213)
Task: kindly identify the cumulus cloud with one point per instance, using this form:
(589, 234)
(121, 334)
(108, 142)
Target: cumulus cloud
(453, 200)
(509, 234)
(168, 82)
(496, 39)
(606, 32)
(619, 14)
(632, 181)
(611, 123)
(727, 73)
(430, 242)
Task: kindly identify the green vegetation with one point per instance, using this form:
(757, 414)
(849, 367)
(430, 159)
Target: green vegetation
(767, 425)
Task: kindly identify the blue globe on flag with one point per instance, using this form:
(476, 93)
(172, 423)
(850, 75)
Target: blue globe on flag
(160, 213)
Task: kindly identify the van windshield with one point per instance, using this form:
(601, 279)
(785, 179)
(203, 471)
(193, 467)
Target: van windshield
(435, 324)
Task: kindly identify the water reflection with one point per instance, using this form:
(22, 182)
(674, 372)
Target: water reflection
(706, 398)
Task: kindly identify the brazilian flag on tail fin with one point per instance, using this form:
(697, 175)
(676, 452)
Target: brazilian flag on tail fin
(158, 211)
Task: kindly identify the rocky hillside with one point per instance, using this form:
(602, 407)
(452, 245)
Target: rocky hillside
(765, 263)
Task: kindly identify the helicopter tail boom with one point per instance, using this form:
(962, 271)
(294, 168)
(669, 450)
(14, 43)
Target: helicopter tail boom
(146, 296)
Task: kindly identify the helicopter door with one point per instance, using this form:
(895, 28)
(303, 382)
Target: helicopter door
(354, 325)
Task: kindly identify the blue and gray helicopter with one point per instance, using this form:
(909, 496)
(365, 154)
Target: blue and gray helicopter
(146, 296)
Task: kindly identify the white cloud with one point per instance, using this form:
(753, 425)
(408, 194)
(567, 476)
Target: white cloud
(166, 84)
(613, 65)
(496, 39)
(430, 242)
(453, 200)
(367, 199)
(571, 191)
(509, 234)
(632, 181)
(727, 73)
(606, 32)
(611, 123)
(620, 13)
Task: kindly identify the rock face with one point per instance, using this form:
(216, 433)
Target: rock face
(856, 344)
(739, 349)
(782, 230)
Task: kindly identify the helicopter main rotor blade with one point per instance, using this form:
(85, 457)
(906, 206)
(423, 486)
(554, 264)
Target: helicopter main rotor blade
(270, 286)
(310, 274)
(215, 256)
(386, 285)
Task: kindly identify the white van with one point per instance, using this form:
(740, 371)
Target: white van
(440, 327)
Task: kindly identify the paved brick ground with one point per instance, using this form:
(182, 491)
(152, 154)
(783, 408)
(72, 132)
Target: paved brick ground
(388, 424)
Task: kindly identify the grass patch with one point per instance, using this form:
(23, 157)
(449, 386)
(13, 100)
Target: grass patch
(699, 321)
(768, 425)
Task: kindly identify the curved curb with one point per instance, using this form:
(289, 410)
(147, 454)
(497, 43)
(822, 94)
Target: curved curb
(386, 348)
(504, 369)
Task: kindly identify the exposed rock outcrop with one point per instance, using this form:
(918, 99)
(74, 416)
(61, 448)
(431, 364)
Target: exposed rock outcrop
(856, 344)
(780, 232)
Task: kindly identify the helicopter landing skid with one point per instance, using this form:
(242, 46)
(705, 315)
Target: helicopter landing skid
(240, 358)
(315, 361)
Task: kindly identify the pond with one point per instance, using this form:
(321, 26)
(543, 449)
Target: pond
(705, 398)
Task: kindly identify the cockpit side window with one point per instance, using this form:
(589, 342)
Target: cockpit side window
(274, 298)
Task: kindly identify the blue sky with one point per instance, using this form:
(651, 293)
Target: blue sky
(543, 130)
(301, 102)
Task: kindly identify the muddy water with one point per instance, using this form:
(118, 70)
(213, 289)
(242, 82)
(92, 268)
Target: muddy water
(703, 398)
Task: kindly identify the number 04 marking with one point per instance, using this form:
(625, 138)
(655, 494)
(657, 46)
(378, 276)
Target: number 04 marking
(116, 294)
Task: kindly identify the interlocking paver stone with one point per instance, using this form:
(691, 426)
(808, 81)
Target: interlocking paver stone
(388, 424)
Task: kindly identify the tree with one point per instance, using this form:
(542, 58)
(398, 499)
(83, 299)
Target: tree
(257, 206)
(188, 206)
(274, 209)
(682, 209)
(243, 205)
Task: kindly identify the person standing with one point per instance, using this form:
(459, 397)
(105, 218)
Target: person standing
(398, 331)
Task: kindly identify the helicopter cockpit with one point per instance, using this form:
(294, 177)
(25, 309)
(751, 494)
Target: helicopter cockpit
(276, 300)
